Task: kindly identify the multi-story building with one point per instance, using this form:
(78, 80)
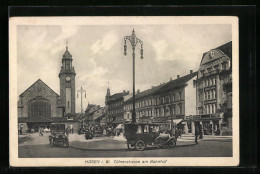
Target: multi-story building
(143, 105)
(214, 92)
(115, 112)
(88, 118)
(166, 103)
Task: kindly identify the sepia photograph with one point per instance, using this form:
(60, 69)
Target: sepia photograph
(124, 91)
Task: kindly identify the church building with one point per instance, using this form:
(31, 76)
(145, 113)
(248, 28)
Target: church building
(39, 105)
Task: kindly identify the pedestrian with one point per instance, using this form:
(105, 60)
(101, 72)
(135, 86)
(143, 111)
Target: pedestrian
(180, 132)
(67, 131)
(176, 133)
(196, 134)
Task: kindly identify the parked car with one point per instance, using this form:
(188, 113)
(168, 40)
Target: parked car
(81, 131)
(58, 135)
(141, 135)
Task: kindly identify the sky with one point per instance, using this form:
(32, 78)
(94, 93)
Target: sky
(97, 52)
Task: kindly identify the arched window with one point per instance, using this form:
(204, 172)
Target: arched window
(39, 107)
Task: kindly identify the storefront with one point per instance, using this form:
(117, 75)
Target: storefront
(210, 124)
(166, 123)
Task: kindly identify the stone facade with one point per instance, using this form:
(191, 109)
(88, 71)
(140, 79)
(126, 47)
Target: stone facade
(40, 90)
(67, 83)
(214, 91)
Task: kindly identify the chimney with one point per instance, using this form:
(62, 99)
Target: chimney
(138, 91)
(178, 76)
(191, 71)
(123, 91)
(170, 79)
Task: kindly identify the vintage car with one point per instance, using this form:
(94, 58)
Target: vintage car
(141, 135)
(89, 134)
(81, 131)
(58, 135)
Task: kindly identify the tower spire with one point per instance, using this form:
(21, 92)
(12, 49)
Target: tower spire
(67, 45)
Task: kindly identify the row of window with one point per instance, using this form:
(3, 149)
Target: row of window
(158, 112)
(210, 82)
(116, 104)
(157, 101)
(115, 111)
(162, 111)
(210, 108)
(224, 66)
(210, 94)
(39, 108)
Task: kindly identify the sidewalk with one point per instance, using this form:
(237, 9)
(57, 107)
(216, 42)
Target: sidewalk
(190, 137)
(23, 138)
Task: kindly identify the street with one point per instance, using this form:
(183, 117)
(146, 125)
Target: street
(38, 147)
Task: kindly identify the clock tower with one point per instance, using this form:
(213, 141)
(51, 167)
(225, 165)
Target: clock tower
(67, 83)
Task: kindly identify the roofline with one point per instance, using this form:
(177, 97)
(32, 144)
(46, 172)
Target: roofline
(36, 82)
(162, 85)
(218, 48)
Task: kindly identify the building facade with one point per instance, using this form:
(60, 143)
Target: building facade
(115, 108)
(214, 92)
(167, 103)
(39, 105)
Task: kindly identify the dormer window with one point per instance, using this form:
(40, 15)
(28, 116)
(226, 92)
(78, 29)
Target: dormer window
(211, 54)
(209, 69)
(224, 65)
(216, 67)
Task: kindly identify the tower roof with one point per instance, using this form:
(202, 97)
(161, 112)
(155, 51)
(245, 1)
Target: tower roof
(67, 53)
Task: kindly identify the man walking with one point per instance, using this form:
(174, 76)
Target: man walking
(196, 134)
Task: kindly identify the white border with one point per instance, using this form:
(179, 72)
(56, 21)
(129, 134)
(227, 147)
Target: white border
(173, 161)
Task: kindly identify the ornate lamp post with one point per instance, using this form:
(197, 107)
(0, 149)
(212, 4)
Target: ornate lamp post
(81, 91)
(134, 41)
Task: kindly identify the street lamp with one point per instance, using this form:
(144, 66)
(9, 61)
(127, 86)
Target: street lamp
(81, 91)
(134, 41)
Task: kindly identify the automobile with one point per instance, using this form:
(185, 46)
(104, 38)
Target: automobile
(46, 130)
(58, 135)
(141, 135)
(89, 134)
(81, 131)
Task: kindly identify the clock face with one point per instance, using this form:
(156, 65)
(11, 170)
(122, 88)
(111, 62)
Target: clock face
(68, 78)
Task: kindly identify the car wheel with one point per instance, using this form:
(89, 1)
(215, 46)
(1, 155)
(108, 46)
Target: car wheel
(131, 145)
(158, 142)
(140, 145)
(172, 143)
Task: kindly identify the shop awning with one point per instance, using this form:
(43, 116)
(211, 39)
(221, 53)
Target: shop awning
(120, 126)
(177, 121)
